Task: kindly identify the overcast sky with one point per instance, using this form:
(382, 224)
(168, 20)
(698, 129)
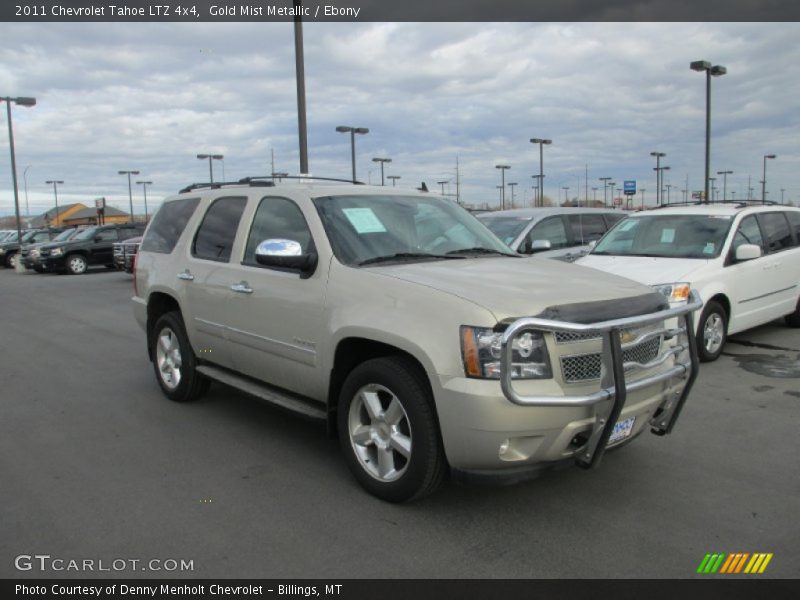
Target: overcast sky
(150, 96)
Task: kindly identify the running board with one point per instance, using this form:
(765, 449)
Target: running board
(272, 395)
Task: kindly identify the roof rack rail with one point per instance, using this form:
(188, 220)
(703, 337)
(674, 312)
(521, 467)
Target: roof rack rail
(215, 185)
(736, 203)
(257, 178)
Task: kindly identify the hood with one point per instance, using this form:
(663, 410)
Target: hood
(645, 269)
(514, 287)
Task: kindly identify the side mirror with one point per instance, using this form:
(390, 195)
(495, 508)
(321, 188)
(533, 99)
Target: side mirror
(592, 244)
(97, 238)
(748, 252)
(540, 246)
(285, 254)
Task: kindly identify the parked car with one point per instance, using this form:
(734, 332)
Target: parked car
(743, 260)
(92, 246)
(125, 253)
(426, 353)
(10, 248)
(563, 233)
(29, 254)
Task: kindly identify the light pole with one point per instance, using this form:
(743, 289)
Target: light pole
(441, 183)
(500, 188)
(764, 179)
(611, 184)
(566, 192)
(594, 195)
(210, 157)
(55, 183)
(144, 185)
(643, 190)
(130, 192)
(605, 181)
(536, 189)
(21, 101)
(724, 183)
(715, 71)
(713, 189)
(542, 142)
(669, 187)
(659, 156)
(512, 185)
(782, 191)
(503, 184)
(382, 161)
(394, 179)
(659, 185)
(353, 131)
(25, 179)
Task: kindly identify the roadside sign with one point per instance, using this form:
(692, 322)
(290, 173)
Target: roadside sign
(629, 187)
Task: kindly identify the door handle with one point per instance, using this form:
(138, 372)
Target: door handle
(242, 287)
(186, 276)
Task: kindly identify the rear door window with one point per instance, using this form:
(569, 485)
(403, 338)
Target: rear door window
(794, 222)
(586, 228)
(168, 225)
(551, 229)
(107, 235)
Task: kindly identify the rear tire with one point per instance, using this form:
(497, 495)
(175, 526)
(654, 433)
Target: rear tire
(10, 261)
(174, 361)
(388, 430)
(712, 332)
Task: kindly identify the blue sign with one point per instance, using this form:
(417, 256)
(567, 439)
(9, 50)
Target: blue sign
(629, 187)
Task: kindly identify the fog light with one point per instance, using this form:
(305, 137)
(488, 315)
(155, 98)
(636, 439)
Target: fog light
(503, 448)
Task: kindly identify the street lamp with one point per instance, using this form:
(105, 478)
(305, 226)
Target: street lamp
(503, 184)
(611, 184)
(782, 191)
(512, 185)
(605, 181)
(724, 183)
(144, 185)
(643, 190)
(542, 142)
(210, 157)
(764, 180)
(441, 183)
(130, 193)
(669, 187)
(394, 179)
(25, 179)
(566, 192)
(715, 71)
(594, 195)
(55, 193)
(500, 187)
(21, 101)
(536, 189)
(658, 156)
(382, 161)
(353, 131)
(713, 188)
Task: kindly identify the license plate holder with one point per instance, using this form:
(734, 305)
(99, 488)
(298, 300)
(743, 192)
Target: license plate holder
(622, 430)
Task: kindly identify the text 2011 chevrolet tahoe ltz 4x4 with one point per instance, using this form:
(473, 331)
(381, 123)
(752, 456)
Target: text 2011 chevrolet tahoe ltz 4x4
(427, 345)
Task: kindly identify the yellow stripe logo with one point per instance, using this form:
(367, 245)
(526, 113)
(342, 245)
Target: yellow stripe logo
(734, 563)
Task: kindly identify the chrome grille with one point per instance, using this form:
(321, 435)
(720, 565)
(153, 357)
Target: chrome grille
(568, 337)
(588, 367)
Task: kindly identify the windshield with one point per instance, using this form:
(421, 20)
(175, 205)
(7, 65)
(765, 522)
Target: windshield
(11, 237)
(86, 234)
(65, 235)
(373, 229)
(506, 228)
(27, 237)
(668, 236)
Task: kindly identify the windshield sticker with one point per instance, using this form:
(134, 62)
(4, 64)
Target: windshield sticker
(709, 248)
(628, 225)
(667, 236)
(364, 220)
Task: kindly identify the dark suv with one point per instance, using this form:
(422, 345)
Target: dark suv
(9, 249)
(92, 246)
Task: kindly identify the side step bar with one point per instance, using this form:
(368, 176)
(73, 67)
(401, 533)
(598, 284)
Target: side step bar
(266, 392)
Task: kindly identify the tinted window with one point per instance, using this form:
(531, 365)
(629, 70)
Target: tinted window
(776, 230)
(277, 218)
(107, 235)
(214, 239)
(586, 228)
(794, 221)
(129, 232)
(551, 229)
(168, 225)
(612, 218)
(506, 228)
(748, 233)
(42, 236)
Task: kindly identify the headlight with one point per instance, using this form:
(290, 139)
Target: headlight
(2, 251)
(675, 293)
(56, 252)
(480, 350)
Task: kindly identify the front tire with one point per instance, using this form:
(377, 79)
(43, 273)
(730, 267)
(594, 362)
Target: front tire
(11, 261)
(793, 319)
(174, 361)
(712, 332)
(76, 264)
(388, 430)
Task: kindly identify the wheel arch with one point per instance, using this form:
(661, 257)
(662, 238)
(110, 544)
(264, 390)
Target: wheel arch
(158, 304)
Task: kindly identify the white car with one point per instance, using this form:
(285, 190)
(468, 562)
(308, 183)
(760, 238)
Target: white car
(743, 260)
(562, 233)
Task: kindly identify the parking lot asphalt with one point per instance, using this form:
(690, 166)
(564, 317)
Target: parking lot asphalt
(95, 463)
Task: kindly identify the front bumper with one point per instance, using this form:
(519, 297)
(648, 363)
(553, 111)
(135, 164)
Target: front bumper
(53, 263)
(513, 428)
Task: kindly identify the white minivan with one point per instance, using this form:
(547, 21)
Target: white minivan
(743, 260)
